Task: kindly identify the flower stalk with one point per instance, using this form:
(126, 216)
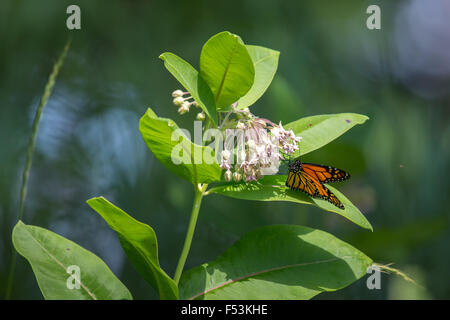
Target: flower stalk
(199, 193)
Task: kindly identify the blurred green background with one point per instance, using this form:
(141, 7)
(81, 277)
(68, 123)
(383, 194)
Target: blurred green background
(89, 144)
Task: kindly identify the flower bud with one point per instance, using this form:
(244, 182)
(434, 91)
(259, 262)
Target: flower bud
(201, 116)
(178, 101)
(177, 93)
(237, 176)
(240, 125)
(183, 108)
(275, 131)
(246, 112)
(228, 175)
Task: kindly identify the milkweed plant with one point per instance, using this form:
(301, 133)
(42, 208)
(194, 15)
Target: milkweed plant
(236, 154)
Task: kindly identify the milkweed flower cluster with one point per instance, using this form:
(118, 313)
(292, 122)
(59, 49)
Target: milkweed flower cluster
(261, 144)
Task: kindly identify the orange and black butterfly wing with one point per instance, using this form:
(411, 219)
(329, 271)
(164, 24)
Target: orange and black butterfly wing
(290, 179)
(312, 187)
(326, 194)
(325, 174)
(309, 182)
(299, 181)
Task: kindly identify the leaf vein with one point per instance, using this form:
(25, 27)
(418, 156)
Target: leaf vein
(262, 272)
(264, 58)
(222, 82)
(60, 264)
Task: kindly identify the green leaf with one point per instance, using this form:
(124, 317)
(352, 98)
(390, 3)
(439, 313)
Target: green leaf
(317, 131)
(194, 163)
(50, 256)
(227, 67)
(272, 188)
(265, 62)
(192, 82)
(139, 242)
(277, 262)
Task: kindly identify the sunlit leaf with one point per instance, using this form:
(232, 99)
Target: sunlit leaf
(227, 67)
(272, 188)
(50, 256)
(265, 62)
(277, 262)
(317, 131)
(192, 82)
(139, 243)
(177, 152)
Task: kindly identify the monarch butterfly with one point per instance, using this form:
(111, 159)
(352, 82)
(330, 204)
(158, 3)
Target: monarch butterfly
(310, 179)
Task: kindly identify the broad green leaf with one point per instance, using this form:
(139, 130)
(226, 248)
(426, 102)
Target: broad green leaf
(272, 188)
(317, 131)
(175, 151)
(227, 67)
(139, 242)
(192, 82)
(265, 62)
(277, 262)
(50, 256)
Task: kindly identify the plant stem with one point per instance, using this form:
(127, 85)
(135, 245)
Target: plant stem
(23, 191)
(190, 232)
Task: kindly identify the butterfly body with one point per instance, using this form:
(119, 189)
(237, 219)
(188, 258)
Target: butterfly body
(310, 178)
